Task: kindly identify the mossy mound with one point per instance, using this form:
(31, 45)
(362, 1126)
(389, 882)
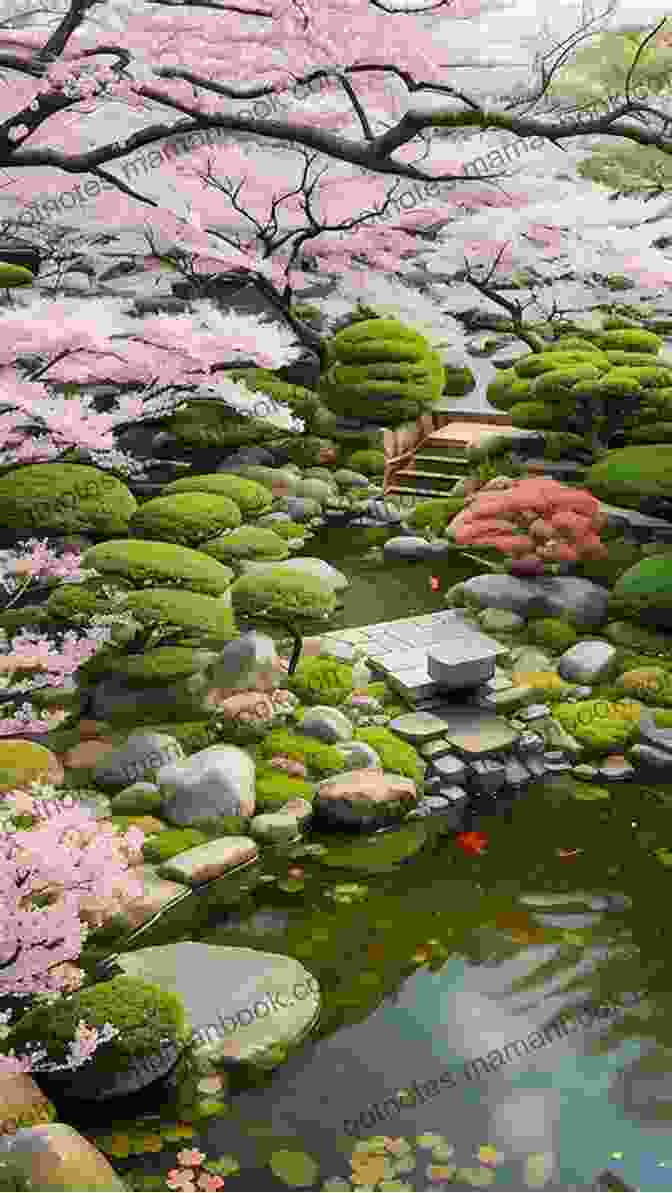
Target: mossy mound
(164, 665)
(282, 594)
(319, 757)
(65, 499)
(187, 519)
(602, 725)
(396, 756)
(435, 514)
(145, 1016)
(627, 475)
(644, 592)
(24, 761)
(630, 340)
(286, 530)
(248, 542)
(273, 788)
(171, 842)
(458, 381)
(552, 632)
(251, 498)
(322, 680)
(189, 613)
(307, 450)
(143, 562)
(303, 402)
(653, 685)
(211, 425)
(369, 462)
(76, 603)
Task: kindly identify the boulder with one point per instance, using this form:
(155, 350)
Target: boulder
(367, 798)
(241, 1002)
(217, 781)
(587, 662)
(326, 724)
(55, 1157)
(140, 756)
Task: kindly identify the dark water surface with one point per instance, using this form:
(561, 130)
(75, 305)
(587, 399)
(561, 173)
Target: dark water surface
(441, 960)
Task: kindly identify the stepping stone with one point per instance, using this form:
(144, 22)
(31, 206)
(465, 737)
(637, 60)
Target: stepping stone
(509, 699)
(417, 727)
(488, 776)
(476, 733)
(449, 769)
(435, 749)
(461, 664)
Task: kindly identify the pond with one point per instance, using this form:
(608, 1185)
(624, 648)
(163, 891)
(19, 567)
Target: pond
(457, 977)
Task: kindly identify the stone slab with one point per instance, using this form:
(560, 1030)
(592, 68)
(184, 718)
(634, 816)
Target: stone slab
(475, 733)
(417, 727)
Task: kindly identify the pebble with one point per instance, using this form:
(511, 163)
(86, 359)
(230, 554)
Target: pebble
(534, 711)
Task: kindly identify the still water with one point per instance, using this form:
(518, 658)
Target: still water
(442, 974)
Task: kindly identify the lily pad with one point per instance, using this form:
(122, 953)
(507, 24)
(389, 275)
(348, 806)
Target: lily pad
(664, 856)
(379, 853)
(294, 1168)
(589, 791)
(225, 1166)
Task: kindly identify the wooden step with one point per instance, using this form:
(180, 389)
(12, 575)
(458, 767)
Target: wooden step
(434, 463)
(425, 494)
(428, 480)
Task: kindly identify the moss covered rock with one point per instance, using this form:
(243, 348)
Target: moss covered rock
(625, 476)
(322, 680)
(191, 614)
(248, 542)
(210, 424)
(644, 592)
(458, 381)
(282, 593)
(435, 514)
(552, 632)
(143, 562)
(188, 519)
(602, 725)
(251, 498)
(317, 756)
(147, 1018)
(273, 788)
(396, 756)
(65, 499)
(171, 842)
(164, 665)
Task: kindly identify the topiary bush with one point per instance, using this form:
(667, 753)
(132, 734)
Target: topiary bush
(381, 370)
(630, 340)
(628, 475)
(188, 519)
(187, 613)
(396, 756)
(248, 542)
(142, 562)
(282, 594)
(65, 499)
(322, 680)
(553, 632)
(251, 498)
(435, 514)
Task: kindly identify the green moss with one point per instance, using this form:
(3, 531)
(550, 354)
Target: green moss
(653, 685)
(396, 756)
(191, 735)
(136, 801)
(533, 415)
(185, 518)
(163, 665)
(458, 382)
(553, 632)
(306, 450)
(189, 613)
(381, 370)
(545, 362)
(631, 340)
(561, 380)
(322, 680)
(575, 344)
(273, 788)
(601, 725)
(171, 842)
(65, 499)
(75, 603)
(622, 555)
(251, 498)
(288, 530)
(281, 593)
(629, 359)
(625, 476)
(368, 462)
(144, 1014)
(248, 542)
(210, 425)
(145, 563)
(435, 515)
(636, 637)
(559, 444)
(316, 755)
(302, 402)
(644, 592)
(12, 621)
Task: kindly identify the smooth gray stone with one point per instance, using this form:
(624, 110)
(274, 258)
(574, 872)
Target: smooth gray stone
(141, 755)
(406, 547)
(217, 781)
(587, 662)
(449, 768)
(326, 724)
(647, 757)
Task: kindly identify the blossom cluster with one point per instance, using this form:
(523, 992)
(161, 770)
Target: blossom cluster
(536, 521)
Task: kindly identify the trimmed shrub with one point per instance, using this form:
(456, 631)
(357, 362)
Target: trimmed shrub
(251, 498)
(188, 519)
(143, 562)
(435, 514)
(65, 499)
(369, 462)
(190, 613)
(644, 592)
(627, 475)
(248, 542)
(631, 340)
(381, 370)
(282, 594)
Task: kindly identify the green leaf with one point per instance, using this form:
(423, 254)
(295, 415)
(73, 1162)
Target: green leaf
(664, 856)
(294, 1168)
(225, 1166)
